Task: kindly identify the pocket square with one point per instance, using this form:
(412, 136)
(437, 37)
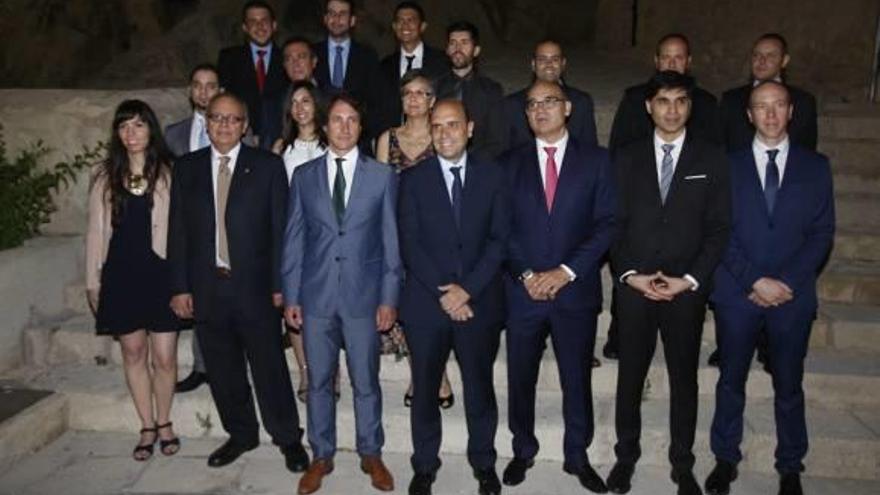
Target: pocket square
(695, 177)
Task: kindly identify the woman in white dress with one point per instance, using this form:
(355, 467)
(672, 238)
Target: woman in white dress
(302, 140)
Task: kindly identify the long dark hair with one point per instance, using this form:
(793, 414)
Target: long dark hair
(116, 167)
(290, 130)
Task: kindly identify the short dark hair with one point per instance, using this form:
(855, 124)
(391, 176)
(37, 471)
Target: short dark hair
(347, 99)
(674, 36)
(669, 79)
(464, 26)
(299, 40)
(548, 39)
(207, 66)
(409, 5)
(775, 37)
(768, 82)
(413, 74)
(349, 2)
(256, 4)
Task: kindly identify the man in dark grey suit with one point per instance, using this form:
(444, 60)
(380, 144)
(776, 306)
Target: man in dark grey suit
(182, 137)
(341, 276)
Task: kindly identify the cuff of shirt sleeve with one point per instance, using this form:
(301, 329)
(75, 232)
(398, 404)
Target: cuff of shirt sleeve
(626, 274)
(571, 274)
(689, 278)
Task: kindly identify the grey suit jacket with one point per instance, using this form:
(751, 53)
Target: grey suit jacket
(350, 268)
(177, 136)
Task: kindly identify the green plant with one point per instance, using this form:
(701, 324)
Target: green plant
(27, 190)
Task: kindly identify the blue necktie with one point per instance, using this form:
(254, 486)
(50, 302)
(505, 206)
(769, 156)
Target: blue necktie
(771, 181)
(666, 171)
(338, 76)
(456, 195)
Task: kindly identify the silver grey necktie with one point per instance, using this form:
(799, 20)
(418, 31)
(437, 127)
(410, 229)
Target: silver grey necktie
(666, 171)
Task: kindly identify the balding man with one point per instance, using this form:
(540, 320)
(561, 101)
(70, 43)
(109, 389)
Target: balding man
(767, 278)
(453, 297)
(562, 226)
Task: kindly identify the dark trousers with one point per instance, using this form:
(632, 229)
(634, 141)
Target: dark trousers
(680, 323)
(231, 341)
(573, 336)
(787, 328)
(475, 346)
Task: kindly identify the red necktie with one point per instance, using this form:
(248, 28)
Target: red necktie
(551, 177)
(261, 70)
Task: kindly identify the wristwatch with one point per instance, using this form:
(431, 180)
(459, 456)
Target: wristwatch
(526, 275)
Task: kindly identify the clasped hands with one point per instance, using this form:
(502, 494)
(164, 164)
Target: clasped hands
(769, 292)
(543, 286)
(658, 286)
(455, 302)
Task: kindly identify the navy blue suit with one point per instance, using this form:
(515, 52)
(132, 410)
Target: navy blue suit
(435, 252)
(790, 245)
(577, 232)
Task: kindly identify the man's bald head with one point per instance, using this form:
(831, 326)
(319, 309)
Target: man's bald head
(450, 129)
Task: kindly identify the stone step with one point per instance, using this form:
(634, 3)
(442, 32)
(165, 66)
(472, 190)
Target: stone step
(850, 283)
(856, 245)
(856, 182)
(845, 441)
(75, 298)
(853, 327)
(858, 210)
(855, 122)
(858, 156)
(29, 420)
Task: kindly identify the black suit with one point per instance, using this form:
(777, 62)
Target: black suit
(241, 324)
(435, 64)
(483, 98)
(632, 122)
(238, 75)
(739, 132)
(686, 236)
(581, 123)
(436, 252)
(361, 79)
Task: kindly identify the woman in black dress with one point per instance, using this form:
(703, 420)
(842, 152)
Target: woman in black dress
(127, 280)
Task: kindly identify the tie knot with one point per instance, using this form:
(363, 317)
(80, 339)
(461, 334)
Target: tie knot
(667, 148)
(550, 150)
(771, 154)
(339, 49)
(339, 161)
(261, 53)
(224, 161)
(410, 58)
(456, 171)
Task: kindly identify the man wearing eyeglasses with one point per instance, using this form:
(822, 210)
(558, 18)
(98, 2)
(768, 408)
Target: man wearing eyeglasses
(548, 64)
(224, 247)
(563, 223)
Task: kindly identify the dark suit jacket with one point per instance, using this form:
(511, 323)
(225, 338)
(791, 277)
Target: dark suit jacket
(435, 253)
(739, 132)
(361, 79)
(632, 122)
(484, 99)
(177, 136)
(581, 123)
(255, 217)
(577, 232)
(689, 233)
(435, 64)
(790, 245)
(238, 75)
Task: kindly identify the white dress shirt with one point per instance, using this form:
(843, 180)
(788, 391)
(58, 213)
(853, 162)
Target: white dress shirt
(215, 169)
(448, 177)
(348, 167)
(658, 152)
(419, 53)
(761, 159)
(198, 129)
(300, 152)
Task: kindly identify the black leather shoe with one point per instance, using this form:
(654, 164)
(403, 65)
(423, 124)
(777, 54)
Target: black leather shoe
(764, 359)
(790, 484)
(228, 452)
(515, 472)
(193, 381)
(687, 484)
(421, 484)
(588, 477)
(620, 478)
(609, 350)
(719, 480)
(295, 457)
(488, 480)
(714, 359)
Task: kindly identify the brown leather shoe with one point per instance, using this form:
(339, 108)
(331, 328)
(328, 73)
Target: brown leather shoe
(379, 474)
(311, 480)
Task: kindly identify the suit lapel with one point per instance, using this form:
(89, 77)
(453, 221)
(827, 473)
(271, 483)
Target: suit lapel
(533, 177)
(568, 173)
(753, 180)
(240, 175)
(250, 75)
(685, 162)
(440, 193)
(324, 199)
(357, 179)
(649, 174)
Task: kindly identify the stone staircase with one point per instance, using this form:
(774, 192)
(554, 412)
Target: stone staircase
(841, 382)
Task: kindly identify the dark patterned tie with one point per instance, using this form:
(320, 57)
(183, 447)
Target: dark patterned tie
(666, 171)
(771, 181)
(338, 76)
(409, 62)
(456, 195)
(339, 192)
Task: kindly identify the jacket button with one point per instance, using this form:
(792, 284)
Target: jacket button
(337, 258)
(341, 232)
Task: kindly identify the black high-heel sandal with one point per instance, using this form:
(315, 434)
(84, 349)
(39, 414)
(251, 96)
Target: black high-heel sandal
(165, 445)
(145, 448)
(446, 402)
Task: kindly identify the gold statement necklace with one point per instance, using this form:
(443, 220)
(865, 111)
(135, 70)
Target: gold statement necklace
(137, 184)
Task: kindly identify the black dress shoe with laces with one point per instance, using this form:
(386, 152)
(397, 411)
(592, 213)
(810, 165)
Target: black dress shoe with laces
(620, 478)
(229, 452)
(488, 482)
(687, 484)
(193, 381)
(421, 484)
(515, 472)
(588, 477)
(295, 457)
(790, 484)
(719, 480)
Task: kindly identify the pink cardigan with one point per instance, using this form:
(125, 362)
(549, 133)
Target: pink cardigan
(100, 229)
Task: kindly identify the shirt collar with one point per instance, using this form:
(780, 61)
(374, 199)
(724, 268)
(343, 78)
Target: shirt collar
(345, 43)
(233, 155)
(350, 158)
(678, 142)
(760, 148)
(560, 143)
(446, 164)
(266, 57)
(418, 52)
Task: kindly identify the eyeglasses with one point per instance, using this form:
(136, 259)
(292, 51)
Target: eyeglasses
(416, 93)
(549, 102)
(225, 119)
